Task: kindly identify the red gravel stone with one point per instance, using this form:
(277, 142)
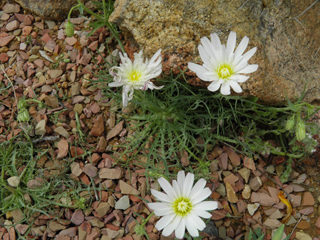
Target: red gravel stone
(46, 38)
(4, 57)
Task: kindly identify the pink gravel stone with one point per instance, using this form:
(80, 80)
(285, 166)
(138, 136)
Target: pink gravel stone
(307, 211)
(46, 38)
(296, 200)
(274, 193)
(71, 40)
(26, 30)
(308, 199)
(93, 46)
(262, 198)
(11, 26)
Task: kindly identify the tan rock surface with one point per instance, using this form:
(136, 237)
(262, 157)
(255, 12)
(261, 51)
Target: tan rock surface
(287, 42)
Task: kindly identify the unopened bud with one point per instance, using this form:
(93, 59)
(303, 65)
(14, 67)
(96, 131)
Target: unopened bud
(22, 104)
(301, 131)
(290, 123)
(23, 115)
(69, 28)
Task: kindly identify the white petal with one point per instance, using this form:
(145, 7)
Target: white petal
(249, 69)
(176, 187)
(122, 56)
(242, 47)
(187, 186)
(151, 86)
(193, 231)
(249, 54)
(218, 47)
(167, 187)
(196, 221)
(199, 70)
(161, 196)
(153, 72)
(207, 205)
(116, 84)
(201, 213)
(131, 90)
(125, 96)
(225, 89)
(240, 66)
(235, 86)
(207, 47)
(214, 86)
(213, 77)
(163, 212)
(201, 195)
(155, 56)
(180, 230)
(239, 78)
(180, 179)
(204, 54)
(198, 187)
(231, 43)
(215, 41)
(158, 205)
(164, 221)
(172, 226)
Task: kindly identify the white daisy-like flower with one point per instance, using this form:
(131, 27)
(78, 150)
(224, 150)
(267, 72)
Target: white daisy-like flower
(221, 65)
(136, 74)
(182, 205)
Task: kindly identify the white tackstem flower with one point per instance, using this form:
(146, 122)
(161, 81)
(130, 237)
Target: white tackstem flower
(136, 75)
(222, 66)
(182, 205)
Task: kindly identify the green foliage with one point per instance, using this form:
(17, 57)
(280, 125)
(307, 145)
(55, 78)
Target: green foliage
(256, 235)
(286, 173)
(259, 235)
(101, 18)
(23, 112)
(180, 118)
(18, 162)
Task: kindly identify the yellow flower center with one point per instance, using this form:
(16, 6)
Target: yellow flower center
(182, 206)
(135, 76)
(224, 71)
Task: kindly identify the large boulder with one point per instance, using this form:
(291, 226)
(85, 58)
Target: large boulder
(286, 33)
(48, 9)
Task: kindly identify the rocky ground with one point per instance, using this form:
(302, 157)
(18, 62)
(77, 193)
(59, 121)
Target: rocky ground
(44, 64)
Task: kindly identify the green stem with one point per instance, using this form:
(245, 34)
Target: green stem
(57, 203)
(146, 220)
(225, 139)
(74, 7)
(104, 9)
(105, 20)
(33, 100)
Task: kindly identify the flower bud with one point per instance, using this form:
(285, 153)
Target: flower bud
(21, 104)
(301, 131)
(69, 28)
(290, 123)
(23, 115)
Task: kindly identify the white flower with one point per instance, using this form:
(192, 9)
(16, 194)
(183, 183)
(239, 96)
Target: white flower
(136, 74)
(221, 65)
(182, 205)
